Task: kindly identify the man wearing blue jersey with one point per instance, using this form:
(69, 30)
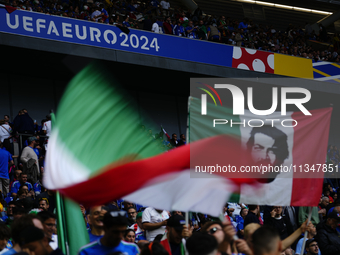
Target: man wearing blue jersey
(16, 185)
(95, 219)
(115, 224)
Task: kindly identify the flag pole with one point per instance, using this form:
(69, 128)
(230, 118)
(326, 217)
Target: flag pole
(187, 219)
(235, 237)
(306, 232)
(61, 224)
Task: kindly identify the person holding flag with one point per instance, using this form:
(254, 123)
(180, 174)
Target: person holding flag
(154, 222)
(138, 227)
(174, 239)
(115, 223)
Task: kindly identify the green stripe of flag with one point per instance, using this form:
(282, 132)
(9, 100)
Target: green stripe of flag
(201, 126)
(88, 115)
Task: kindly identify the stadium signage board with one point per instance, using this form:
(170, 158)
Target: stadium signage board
(94, 34)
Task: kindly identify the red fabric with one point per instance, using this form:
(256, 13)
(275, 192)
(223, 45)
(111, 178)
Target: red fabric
(166, 245)
(167, 28)
(310, 131)
(167, 136)
(132, 15)
(331, 200)
(261, 221)
(222, 150)
(10, 185)
(254, 62)
(10, 9)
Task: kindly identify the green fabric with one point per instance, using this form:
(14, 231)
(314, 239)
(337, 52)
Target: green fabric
(185, 23)
(76, 228)
(200, 126)
(234, 198)
(72, 233)
(303, 215)
(97, 122)
(60, 222)
(204, 29)
(182, 249)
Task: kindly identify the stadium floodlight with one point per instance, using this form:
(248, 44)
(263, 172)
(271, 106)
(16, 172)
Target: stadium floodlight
(265, 3)
(302, 9)
(282, 6)
(322, 12)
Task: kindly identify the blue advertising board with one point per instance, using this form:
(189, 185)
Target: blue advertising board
(84, 32)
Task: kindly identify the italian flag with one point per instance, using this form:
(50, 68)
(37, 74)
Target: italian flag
(98, 152)
(295, 142)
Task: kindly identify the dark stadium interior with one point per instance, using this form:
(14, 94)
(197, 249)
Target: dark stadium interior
(39, 70)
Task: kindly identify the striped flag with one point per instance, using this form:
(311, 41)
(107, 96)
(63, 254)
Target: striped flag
(295, 143)
(97, 153)
(72, 233)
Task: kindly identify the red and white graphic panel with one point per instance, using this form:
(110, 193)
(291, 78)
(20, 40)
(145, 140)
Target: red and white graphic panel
(253, 60)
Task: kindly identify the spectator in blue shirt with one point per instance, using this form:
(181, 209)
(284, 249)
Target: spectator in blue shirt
(95, 219)
(310, 235)
(154, 3)
(140, 233)
(130, 7)
(126, 21)
(178, 29)
(16, 185)
(240, 222)
(115, 223)
(243, 24)
(105, 15)
(5, 159)
(191, 30)
(182, 140)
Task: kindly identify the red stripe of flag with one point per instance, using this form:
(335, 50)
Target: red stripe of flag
(119, 181)
(310, 131)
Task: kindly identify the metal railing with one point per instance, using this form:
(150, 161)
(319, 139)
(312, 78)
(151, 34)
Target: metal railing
(20, 142)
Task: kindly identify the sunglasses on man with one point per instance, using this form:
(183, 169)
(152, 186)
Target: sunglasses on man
(213, 230)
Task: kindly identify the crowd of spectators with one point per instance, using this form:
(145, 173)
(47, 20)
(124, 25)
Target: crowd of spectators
(333, 155)
(28, 213)
(243, 229)
(160, 17)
